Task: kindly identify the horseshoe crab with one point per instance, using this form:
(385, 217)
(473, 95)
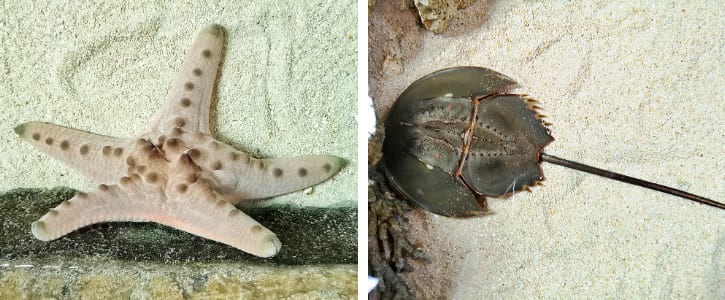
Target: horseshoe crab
(458, 135)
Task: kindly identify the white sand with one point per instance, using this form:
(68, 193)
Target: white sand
(288, 83)
(634, 88)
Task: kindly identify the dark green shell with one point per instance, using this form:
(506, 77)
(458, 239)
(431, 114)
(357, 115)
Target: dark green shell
(445, 113)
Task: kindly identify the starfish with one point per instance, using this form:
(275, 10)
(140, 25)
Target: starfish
(175, 172)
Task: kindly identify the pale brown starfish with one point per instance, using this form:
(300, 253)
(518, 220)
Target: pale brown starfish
(174, 173)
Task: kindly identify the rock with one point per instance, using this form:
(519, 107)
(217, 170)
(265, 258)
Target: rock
(435, 14)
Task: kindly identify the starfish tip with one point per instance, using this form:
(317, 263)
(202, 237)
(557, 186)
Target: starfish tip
(269, 247)
(215, 30)
(39, 231)
(20, 129)
(334, 165)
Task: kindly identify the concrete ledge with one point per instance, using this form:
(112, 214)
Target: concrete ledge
(98, 278)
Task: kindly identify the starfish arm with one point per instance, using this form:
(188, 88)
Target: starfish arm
(194, 209)
(265, 178)
(107, 204)
(205, 213)
(100, 158)
(285, 175)
(188, 102)
(235, 173)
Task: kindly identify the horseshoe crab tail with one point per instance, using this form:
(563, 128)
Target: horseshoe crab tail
(631, 180)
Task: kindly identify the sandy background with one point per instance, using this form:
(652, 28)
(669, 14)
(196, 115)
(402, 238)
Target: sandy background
(287, 86)
(635, 88)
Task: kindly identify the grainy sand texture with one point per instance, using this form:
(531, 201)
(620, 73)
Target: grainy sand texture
(636, 88)
(287, 87)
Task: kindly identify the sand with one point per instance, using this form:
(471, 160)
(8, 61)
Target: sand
(287, 87)
(635, 88)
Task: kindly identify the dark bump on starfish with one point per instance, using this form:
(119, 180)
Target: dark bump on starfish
(181, 188)
(180, 122)
(302, 172)
(214, 145)
(197, 72)
(147, 148)
(162, 139)
(152, 177)
(188, 86)
(172, 143)
(117, 152)
(66, 204)
(217, 165)
(220, 203)
(234, 213)
(36, 136)
(141, 169)
(327, 167)
(255, 229)
(191, 178)
(53, 212)
(260, 165)
(102, 187)
(233, 156)
(135, 176)
(107, 150)
(125, 180)
(185, 102)
(130, 161)
(206, 53)
(141, 142)
(185, 160)
(64, 145)
(49, 141)
(195, 154)
(177, 131)
(154, 154)
(277, 172)
(83, 150)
